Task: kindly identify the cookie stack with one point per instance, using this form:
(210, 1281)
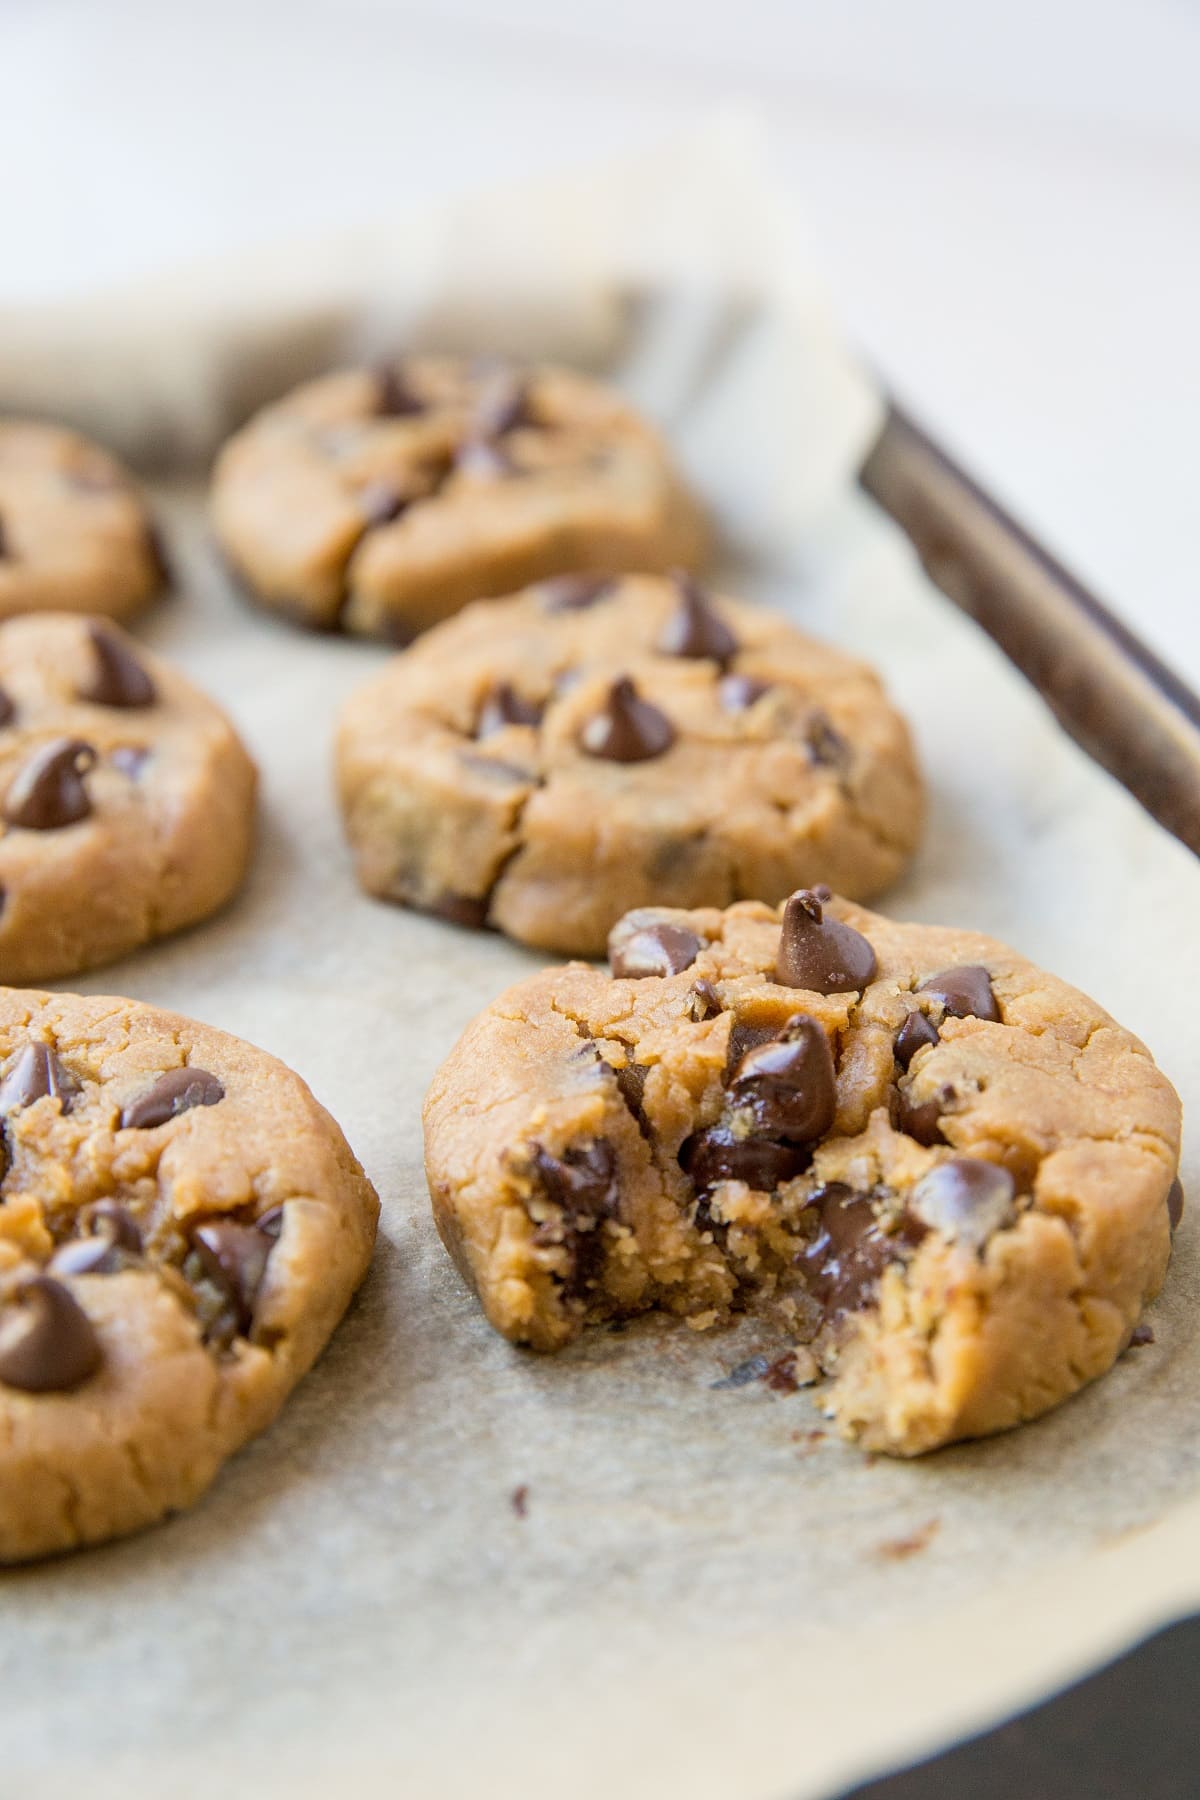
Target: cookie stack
(947, 1180)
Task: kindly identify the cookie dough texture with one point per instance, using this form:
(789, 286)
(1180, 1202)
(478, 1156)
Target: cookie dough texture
(145, 829)
(75, 535)
(469, 788)
(383, 500)
(959, 1244)
(182, 1353)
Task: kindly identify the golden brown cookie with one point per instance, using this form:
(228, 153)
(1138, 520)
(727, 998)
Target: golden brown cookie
(75, 535)
(544, 763)
(383, 500)
(948, 1176)
(182, 1227)
(126, 798)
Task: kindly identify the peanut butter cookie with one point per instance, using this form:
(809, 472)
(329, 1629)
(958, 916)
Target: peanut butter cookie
(75, 535)
(126, 798)
(383, 500)
(182, 1227)
(544, 763)
(949, 1177)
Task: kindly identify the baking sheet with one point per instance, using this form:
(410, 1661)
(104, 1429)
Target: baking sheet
(696, 1592)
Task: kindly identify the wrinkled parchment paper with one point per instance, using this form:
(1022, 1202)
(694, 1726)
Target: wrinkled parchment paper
(701, 1596)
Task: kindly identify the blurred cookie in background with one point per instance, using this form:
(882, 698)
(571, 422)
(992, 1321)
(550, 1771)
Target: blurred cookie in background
(381, 501)
(75, 534)
(126, 798)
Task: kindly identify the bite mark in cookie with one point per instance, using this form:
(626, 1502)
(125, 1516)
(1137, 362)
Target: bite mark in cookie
(959, 1213)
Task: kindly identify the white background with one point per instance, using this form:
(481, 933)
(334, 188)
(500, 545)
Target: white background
(1004, 198)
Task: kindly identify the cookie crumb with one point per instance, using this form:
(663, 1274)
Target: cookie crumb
(781, 1375)
(808, 1441)
(520, 1501)
(1141, 1334)
(900, 1549)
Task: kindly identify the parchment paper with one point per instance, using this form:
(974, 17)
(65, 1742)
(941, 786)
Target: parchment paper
(701, 1597)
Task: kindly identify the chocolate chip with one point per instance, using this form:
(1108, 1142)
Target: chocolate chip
(913, 1035)
(479, 458)
(1141, 1335)
(638, 947)
(628, 729)
(743, 1036)
(380, 503)
(631, 1082)
(821, 954)
(704, 1001)
(394, 395)
(739, 692)
(721, 1154)
(108, 1218)
(788, 1087)
(47, 792)
(575, 593)
(966, 1199)
(502, 706)
(35, 1073)
(583, 1181)
(109, 1237)
(8, 711)
(503, 404)
(86, 1256)
(843, 1261)
(234, 1257)
(130, 759)
(780, 1376)
(47, 1343)
(582, 1184)
(1175, 1203)
(461, 909)
(175, 1092)
(965, 991)
(695, 628)
(826, 747)
(924, 1122)
(120, 679)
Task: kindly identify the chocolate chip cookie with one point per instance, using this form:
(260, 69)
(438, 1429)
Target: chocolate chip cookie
(383, 500)
(544, 763)
(74, 533)
(948, 1177)
(126, 798)
(182, 1227)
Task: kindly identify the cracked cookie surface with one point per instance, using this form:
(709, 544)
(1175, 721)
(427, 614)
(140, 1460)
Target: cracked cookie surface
(947, 1176)
(544, 763)
(381, 501)
(75, 535)
(181, 1228)
(126, 798)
